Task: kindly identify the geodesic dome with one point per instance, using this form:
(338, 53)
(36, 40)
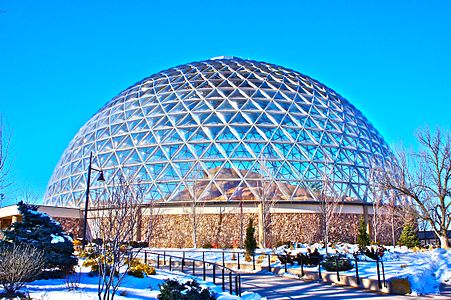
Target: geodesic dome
(218, 130)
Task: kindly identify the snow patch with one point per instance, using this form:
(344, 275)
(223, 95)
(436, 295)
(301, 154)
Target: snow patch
(57, 239)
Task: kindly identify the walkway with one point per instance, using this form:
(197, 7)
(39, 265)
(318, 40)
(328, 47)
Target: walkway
(284, 288)
(281, 288)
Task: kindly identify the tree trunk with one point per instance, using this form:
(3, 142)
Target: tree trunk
(194, 225)
(261, 225)
(444, 242)
(393, 230)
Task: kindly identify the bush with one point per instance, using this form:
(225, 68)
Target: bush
(337, 263)
(139, 269)
(374, 252)
(172, 289)
(250, 244)
(363, 238)
(19, 264)
(89, 252)
(261, 258)
(409, 237)
(77, 244)
(92, 263)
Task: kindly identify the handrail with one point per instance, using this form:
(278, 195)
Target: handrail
(379, 270)
(204, 262)
(355, 259)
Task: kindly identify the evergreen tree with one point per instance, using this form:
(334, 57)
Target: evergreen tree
(250, 244)
(42, 232)
(363, 238)
(409, 236)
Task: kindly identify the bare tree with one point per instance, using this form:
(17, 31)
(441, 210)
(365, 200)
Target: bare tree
(425, 178)
(19, 264)
(195, 191)
(28, 196)
(329, 206)
(377, 193)
(116, 220)
(267, 197)
(151, 213)
(5, 138)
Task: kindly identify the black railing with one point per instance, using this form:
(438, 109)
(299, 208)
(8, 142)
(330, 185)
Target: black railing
(232, 277)
(313, 260)
(285, 259)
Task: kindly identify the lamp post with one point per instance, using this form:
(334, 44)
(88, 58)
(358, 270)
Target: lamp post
(88, 182)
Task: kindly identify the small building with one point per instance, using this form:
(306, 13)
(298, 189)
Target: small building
(428, 237)
(68, 217)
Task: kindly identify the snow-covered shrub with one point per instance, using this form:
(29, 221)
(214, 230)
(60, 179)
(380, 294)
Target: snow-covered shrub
(19, 264)
(309, 258)
(43, 233)
(337, 263)
(374, 252)
(190, 290)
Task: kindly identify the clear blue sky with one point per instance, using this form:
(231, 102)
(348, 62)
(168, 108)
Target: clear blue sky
(60, 61)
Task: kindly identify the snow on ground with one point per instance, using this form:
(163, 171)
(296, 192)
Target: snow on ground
(425, 270)
(131, 288)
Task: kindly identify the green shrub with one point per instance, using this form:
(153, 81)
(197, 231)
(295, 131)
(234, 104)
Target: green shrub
(408, 237)
(172, 289)
(250, 244)
(335, 263)
(363, 238)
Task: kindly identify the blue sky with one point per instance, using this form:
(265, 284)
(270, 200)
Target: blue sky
(60, 61)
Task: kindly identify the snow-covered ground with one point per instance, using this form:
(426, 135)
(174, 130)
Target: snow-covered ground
(425, 270)
(80, 286)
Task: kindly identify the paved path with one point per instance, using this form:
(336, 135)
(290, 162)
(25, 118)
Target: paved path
(284, 288)
(281, 288)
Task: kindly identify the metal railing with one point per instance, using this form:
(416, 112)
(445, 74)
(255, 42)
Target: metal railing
(285, 259)
(301, 260)
(232, 279)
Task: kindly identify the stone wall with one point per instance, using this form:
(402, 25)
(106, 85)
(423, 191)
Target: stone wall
(71, 226)
(223, 230)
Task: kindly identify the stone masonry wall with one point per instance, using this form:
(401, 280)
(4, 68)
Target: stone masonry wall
(224, 230)
(70, 225)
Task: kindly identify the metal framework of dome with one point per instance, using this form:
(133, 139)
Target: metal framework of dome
(217, 130)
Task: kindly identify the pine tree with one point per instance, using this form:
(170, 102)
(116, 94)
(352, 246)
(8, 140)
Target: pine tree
(42, 232)
(409, 236)
(363, 238)
(250, 244)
